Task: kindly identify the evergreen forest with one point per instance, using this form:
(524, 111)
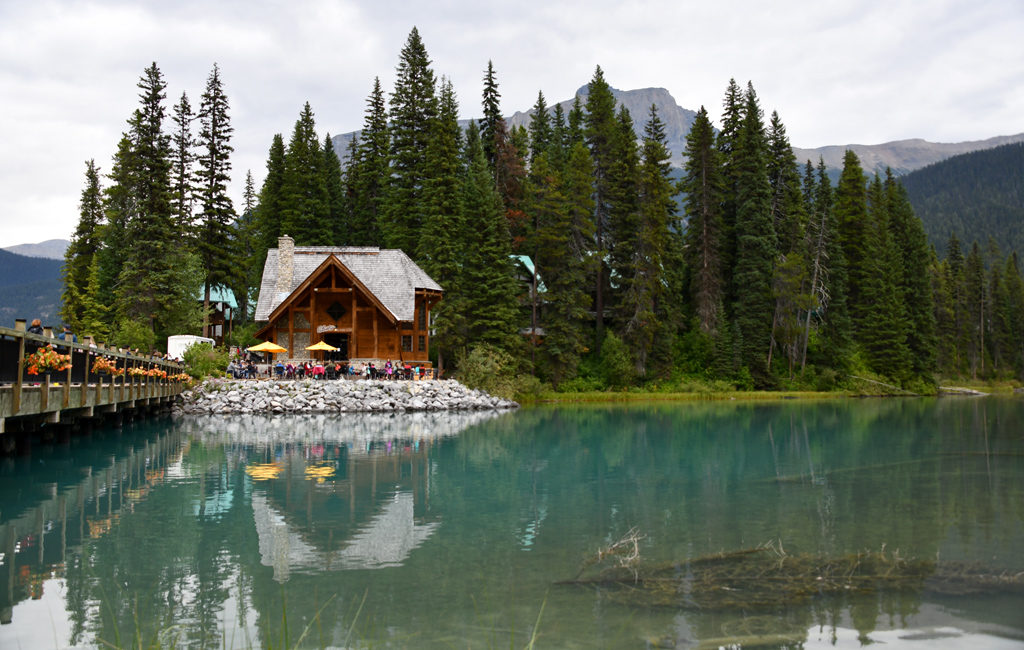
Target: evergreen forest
(570, 252)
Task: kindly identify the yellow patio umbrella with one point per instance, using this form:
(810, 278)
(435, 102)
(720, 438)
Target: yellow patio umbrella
(267, 346)
(322, 345)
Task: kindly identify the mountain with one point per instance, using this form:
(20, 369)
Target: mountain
(902, 156)
(51, 249)
(978, 196)
(677, 120)
(30, 287)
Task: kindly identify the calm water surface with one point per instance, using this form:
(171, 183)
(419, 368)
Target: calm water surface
(453, 530)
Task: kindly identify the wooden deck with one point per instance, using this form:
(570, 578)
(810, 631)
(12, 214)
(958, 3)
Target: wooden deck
(30, 402)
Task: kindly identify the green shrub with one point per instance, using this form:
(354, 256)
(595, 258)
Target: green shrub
(616, 364)
(491, 370)
(135, 335)
(203, 360)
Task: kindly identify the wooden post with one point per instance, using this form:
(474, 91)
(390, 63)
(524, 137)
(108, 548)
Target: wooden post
(16, 397)
(376, 350)
(44, 398)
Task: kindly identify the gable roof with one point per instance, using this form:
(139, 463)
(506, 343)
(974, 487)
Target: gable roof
(387, 273)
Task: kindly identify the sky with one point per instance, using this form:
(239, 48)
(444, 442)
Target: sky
(837, 72)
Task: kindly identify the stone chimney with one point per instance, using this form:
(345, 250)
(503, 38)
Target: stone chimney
(285, 266)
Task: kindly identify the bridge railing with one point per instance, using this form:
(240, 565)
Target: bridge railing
(16, 345)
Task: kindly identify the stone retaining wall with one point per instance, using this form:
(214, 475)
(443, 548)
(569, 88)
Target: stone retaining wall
(309, 396)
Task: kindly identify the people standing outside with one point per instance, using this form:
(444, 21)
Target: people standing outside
(66, 335)
(36, 327)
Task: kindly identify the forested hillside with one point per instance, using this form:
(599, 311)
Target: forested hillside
(29, 288)
(751, 270)
(977, 196)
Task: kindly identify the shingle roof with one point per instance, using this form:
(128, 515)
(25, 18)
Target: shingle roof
(388, 273)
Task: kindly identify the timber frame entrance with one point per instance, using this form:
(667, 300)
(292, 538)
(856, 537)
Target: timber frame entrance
(332, 305)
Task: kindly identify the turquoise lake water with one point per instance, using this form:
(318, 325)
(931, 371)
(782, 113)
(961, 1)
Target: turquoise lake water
(455, 530)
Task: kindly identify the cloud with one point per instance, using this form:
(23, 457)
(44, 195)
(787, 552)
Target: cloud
(837, 73)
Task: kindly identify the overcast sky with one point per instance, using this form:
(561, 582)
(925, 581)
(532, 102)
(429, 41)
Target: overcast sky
(862, 72)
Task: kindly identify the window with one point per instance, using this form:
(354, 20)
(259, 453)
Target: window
(423, 343)
(406, 343)
(423, 317)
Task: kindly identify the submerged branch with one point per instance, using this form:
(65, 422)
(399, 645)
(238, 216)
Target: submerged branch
(767, 576)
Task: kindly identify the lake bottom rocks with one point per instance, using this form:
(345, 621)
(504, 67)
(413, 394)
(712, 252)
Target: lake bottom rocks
(344, 396)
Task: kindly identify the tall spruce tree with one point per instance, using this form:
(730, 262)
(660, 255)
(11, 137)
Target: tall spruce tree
(443, 244)
(702, 186)
(976, 310)
(880, 317)
(788, 214)
(80, 260)
(489, 123)
(733, 107)
(647, 329)
(368, 173)
(559, 204)
(442, 190)
(755, 241)
(337, 213)
(182, 160)
(150, 290)
(851, 210)
(270, 206)
(912, 245)
(540, 128)
(490, 286)
(600, 131)
(305, 208)
(250, 271)
(413, 109)
(216, 241)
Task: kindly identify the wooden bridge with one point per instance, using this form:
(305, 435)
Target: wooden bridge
(31, 402)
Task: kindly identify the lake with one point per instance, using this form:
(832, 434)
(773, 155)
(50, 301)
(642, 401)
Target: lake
(896, 521)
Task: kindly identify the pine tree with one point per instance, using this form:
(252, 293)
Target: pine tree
(146, 291)
(489, 123)
(490, 287)
(851, 210)
(560, 207)
(305, 212)
(755, 241)
(600, 132)
(442, 191)
(976, 304)
(1015, 298)
(250, 271)
(733, 107)
(413, 109)
(912, 245)
(270, 213)
(880, 316)
(215, 244)
(80, 259)
(702, 186)
(540, 128)
(787, 205)
(643, 305)
(120, 207)
(368, 173)
(337, 214)
(182, 159)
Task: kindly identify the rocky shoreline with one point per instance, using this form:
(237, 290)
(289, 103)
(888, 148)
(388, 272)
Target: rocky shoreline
(309, 396)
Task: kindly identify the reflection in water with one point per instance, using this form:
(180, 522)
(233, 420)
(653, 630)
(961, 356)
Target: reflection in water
(441, 530)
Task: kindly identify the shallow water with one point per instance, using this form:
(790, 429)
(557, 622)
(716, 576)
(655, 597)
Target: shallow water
(452, 530)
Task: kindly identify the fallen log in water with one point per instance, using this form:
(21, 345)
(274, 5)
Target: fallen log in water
(768, 577)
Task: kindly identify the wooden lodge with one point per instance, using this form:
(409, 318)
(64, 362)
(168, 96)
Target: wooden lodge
(372, 304)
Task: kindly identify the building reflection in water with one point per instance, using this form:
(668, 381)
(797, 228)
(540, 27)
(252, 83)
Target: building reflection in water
(338, 493)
